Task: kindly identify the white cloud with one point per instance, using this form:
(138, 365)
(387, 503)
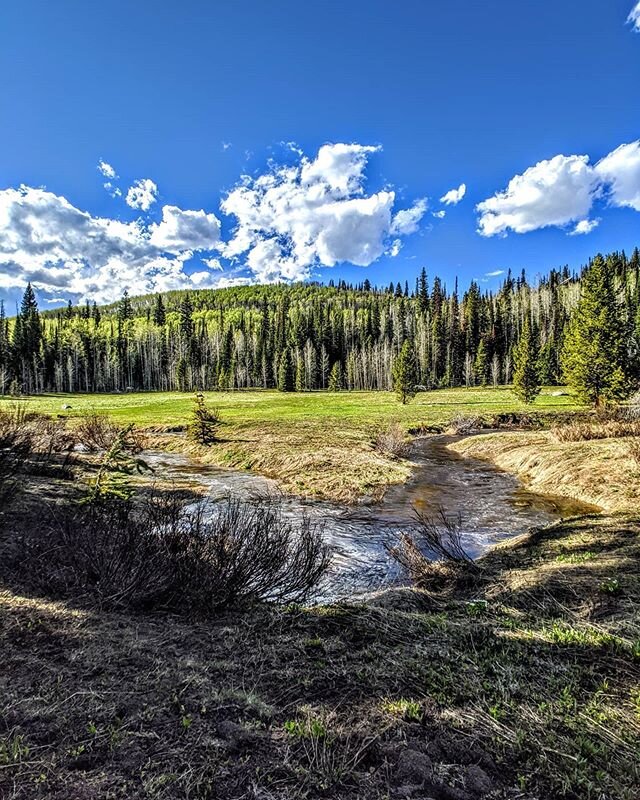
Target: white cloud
(621, 171)
(454, 196)
(185, 230)
(61, 249)
(441, 214)
(106, 169)
(494, 274)
(634, 17)
(396, 247)
(584, 226)
(213, 263)
(142, 194)
(113, 190)
(554, 192)
(313, 213)
(407, 221)
(562, 191)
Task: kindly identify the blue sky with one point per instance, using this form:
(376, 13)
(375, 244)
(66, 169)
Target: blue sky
(408, 100)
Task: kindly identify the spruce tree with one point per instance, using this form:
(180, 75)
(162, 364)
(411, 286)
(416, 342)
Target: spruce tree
(405, 373)
(285, 372)
(335, 378)
(27, 340)
(526, 383)
(159, 313)
(481, 366)
(595, 357)
(300, 375)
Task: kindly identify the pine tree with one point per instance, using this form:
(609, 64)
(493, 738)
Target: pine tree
(159, 313)
(481, 366)
(405, 373)
(335, 378)
(300, 375)
(204, 423)
(27, 340)
(285, 372)
(595, 358)
(423, 292)
(526, 383)
(125, 311)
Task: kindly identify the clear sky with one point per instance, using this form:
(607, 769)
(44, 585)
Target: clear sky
(349, 120)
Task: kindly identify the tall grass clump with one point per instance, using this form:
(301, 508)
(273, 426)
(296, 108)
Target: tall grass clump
(432, 553)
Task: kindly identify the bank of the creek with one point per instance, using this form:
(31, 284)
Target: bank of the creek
(491, 505)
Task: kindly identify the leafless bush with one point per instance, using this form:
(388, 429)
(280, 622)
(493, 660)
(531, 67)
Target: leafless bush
(31, 444)
(163, 555)
(433, 550)
(514, 419)
(97, 432)
(586, 431)
(392, 441)
(461, 424)
(632, 409)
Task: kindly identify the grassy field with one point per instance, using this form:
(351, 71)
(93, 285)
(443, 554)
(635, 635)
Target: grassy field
(353, 409)
(315, 444)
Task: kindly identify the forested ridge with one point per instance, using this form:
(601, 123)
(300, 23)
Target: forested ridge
(306, 336)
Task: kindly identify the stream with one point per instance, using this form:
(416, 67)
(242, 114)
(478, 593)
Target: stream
(491, 506)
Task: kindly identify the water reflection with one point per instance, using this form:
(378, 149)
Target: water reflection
(491, 504)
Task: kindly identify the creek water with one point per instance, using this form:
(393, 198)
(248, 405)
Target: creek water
(490, 505)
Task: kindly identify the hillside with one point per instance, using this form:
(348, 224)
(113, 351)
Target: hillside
(305, 337)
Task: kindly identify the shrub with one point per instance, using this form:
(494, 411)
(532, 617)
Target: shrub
(433, 551)
(31, 444)
(97, 432)
(392, 441)
(461, 424)
(165, 555)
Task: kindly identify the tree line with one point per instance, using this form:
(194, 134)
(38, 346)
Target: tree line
(308, 336)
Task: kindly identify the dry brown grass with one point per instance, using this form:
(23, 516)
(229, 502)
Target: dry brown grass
(600, 472)
(318, 459)
(587, 431)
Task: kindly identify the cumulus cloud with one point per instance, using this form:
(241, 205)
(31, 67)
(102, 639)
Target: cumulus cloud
(554, 192)
(407, 220)
(562, 191)
(60, 248)
(106, 169)
(620, 170)
(142, 194)
(313, 213)
(185, 230)
(634, 17)
(584, 226)
(454, 196)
